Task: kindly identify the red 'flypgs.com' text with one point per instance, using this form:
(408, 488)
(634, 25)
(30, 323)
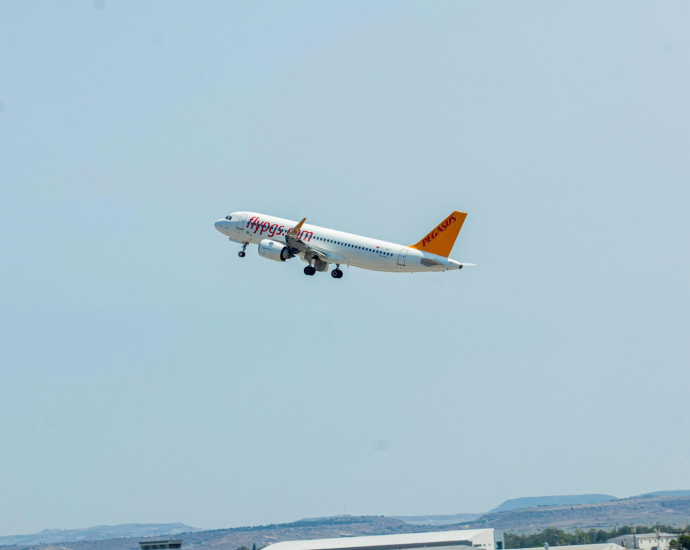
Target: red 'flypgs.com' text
(274, 229)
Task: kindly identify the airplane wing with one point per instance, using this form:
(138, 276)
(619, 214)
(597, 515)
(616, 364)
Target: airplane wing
(298, 246)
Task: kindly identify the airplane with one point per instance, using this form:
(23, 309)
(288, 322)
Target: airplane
(279, 240)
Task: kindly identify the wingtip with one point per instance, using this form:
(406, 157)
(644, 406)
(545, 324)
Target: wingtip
(295, 230)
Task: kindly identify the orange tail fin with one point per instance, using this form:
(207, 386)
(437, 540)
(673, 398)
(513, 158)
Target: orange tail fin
(442, 238)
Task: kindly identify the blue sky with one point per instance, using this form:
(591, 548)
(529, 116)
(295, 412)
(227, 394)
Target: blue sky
(150, 375)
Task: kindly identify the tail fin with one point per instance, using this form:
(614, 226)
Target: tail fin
(442, 238)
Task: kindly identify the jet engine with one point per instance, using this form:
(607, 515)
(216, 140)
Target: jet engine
(273, 250)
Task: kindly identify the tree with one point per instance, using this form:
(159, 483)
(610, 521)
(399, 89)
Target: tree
(556, 537)
(681, 543)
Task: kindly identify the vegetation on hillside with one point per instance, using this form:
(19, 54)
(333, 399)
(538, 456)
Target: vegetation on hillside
(556, 537)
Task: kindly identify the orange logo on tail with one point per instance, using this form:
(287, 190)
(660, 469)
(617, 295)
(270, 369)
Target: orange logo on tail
(442, 227)
(442, 238)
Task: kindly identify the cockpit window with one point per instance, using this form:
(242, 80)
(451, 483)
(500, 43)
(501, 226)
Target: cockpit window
(228, 218)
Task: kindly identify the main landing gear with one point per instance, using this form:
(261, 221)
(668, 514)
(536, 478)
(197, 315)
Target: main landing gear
(242, 253)
(336, 273)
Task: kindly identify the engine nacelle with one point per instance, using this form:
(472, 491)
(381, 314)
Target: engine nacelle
(273, 250)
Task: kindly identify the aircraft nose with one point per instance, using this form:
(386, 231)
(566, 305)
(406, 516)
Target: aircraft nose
(219, 225)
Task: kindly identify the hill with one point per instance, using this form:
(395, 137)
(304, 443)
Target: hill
(641, 510)
(646, 510)
(263, 535)
(556, 500)
(667, 493)
(55, 536)
(438, 520)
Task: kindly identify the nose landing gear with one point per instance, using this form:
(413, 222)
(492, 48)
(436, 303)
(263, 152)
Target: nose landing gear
(242, 253)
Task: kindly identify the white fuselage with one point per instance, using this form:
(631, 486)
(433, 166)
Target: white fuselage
(339, 247)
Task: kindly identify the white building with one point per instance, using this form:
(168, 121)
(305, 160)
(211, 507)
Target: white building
(485, 539)
(599, 546)
(646, 541)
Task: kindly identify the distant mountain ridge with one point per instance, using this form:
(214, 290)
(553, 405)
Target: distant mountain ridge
(555, 500)
(100, 532)
(667, 494)
(668, 507)
(261, 535)
(640, 510)
(438, 520)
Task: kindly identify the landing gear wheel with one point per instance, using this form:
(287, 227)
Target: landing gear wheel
(241, 254)
(309, 270)
(337, 274)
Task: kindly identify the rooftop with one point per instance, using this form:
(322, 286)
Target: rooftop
(407, 540)
(645, 535)
(600, 546)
